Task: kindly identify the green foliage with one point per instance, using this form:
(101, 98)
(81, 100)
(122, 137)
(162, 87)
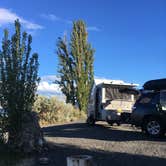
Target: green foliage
(52, 111)
(76, 66)
(66, 71)
(82, 54)
(19, 75)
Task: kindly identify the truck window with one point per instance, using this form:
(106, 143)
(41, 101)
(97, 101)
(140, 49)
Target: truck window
(163, 100)
(148, 98)
(145, 100)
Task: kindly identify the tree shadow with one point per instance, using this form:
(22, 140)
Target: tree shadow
(98, 132)
(9, 158)
(59, 152)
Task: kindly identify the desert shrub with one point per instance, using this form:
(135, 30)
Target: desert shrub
(52, 111)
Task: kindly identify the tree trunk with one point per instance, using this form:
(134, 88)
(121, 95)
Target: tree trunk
(29, 138)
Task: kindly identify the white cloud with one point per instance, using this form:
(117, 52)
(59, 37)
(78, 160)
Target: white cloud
(48, 88)
(49, 78)
(8, 17)
(53, 17)
(93, 28)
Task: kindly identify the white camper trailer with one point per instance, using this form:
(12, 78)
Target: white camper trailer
(109, 100)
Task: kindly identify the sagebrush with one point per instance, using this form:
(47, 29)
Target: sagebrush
(51, 111)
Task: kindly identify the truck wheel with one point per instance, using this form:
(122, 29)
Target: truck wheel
(153, 127)
(90, 121)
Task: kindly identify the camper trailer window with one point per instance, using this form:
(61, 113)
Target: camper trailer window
(113, 93)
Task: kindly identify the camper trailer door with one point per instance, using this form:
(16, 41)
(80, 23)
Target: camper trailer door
(103, 96)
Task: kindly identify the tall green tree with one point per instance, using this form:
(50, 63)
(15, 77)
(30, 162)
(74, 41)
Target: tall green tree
(19, 79)
(76, 64)
(66, 71)
(82, 54)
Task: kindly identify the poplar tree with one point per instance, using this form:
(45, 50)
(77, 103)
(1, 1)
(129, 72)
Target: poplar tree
(66, 71)
(82, 54)
(19, 79)
(76, 66)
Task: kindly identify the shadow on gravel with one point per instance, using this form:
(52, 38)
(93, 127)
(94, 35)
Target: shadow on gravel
(57, 155)
(98, 132)
(8, 158)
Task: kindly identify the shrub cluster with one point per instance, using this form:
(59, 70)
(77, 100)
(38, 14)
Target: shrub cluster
(52, 111)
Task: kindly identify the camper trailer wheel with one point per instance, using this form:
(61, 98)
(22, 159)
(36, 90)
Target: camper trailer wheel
(90, 121)
(118, 123)
(110, 122)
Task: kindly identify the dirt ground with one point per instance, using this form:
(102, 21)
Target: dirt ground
(109, 146)
(117, 146)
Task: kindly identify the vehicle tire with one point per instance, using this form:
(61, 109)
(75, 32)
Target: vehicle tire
(110, 122)
(90, 121)
(153, 127)
(118, 123)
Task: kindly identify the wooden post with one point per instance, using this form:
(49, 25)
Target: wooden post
(80, 160)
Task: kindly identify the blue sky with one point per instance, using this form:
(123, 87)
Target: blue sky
(129, 36)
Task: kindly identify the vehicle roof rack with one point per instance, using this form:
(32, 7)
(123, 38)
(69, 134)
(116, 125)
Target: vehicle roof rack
(156, 85)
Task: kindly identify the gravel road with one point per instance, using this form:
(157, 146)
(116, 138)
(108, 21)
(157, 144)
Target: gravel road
(117, 146)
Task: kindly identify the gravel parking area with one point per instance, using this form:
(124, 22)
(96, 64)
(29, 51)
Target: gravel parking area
(108, 145)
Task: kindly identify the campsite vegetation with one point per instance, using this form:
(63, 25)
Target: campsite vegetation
(76, 66)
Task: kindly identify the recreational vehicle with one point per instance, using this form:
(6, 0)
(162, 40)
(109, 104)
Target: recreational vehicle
(109, 100)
